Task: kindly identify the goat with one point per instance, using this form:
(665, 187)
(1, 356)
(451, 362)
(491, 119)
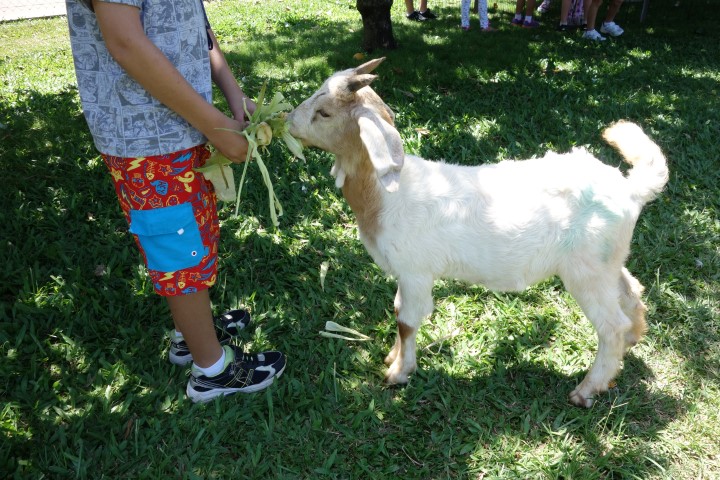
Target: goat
(506, 225)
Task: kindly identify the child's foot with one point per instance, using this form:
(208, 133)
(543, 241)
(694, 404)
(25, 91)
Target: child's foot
(243, 373)
(531, 24)
(488, 29)
(612, 29)
(428, 14)
(593, 35)
(415, 16)
(518, 22)
(227, 325)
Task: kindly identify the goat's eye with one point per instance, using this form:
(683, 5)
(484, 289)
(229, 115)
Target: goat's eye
(322, 113)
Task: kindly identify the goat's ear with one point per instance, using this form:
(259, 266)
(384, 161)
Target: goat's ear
(384, 146)
(356, 82)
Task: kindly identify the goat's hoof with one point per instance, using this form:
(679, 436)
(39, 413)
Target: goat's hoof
(395, 378)
(390, 358)
(579, 400)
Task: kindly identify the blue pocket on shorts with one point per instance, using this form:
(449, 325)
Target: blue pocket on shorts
(170, 237)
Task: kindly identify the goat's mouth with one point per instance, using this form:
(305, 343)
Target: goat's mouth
(303, 141)
(293, 131)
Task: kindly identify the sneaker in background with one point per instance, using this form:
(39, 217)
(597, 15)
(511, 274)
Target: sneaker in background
(243, 373)
(544, 6)
(415, 16)
(612, 29)
(227, 325)
(593, 35)
(428, 15)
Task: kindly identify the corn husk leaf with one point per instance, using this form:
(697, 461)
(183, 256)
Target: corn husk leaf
(342, 337)
(293, 144)
(323, 273)
(331, 326)
(217, 171)
(268, 121)
(223, 179)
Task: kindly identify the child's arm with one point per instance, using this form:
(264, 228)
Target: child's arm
(126, 41)
(226, 82)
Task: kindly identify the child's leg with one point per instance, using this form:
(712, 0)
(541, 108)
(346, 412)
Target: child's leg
(172, 213)
(613, 9)
(529, 8)
(192, 315)
(519, 8)
(483, 14)
(564, 11)
(409, 6)
(591, 10)
(465, 13)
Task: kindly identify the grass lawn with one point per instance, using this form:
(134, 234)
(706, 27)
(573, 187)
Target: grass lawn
(86, 390)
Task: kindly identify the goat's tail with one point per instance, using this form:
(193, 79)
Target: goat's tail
(650, 172)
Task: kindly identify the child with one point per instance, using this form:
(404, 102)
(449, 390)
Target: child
(608, 27)
(572, 15)
(482, 13)
(525, 21)
(418, 15)
(144, 71)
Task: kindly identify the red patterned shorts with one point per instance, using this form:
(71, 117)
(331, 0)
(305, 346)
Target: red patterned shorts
(172, 213)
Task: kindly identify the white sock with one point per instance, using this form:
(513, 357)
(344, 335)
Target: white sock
(214, 369)
(178, 335)
(518, 16)
(528, 19)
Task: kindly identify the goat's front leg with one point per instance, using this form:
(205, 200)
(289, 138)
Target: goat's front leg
(413, 302)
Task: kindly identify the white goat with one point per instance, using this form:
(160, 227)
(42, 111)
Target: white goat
(505, 226)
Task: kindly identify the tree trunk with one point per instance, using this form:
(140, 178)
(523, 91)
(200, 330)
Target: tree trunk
(377, 26)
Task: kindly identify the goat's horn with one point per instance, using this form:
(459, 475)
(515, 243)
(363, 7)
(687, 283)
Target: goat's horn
(368, 67)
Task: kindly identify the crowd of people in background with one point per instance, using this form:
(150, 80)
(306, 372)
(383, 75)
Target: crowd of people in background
(574, 14)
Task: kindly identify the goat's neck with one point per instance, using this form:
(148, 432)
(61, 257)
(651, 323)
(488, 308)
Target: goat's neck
(363, 193)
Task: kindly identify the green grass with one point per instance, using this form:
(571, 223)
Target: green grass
(86, 389)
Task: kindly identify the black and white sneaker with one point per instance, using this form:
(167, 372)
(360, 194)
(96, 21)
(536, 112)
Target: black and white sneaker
(429, 15)
(415, 16)
(227, 325)
(244, 372)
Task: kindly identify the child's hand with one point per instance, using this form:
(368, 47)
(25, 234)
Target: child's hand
(240, 113)
(227, 138)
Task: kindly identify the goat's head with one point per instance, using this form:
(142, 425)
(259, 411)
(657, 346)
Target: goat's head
(347, 118)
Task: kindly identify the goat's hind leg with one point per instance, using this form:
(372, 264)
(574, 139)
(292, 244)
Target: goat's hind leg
(633, 306)
(413, 302)
(599, 299)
